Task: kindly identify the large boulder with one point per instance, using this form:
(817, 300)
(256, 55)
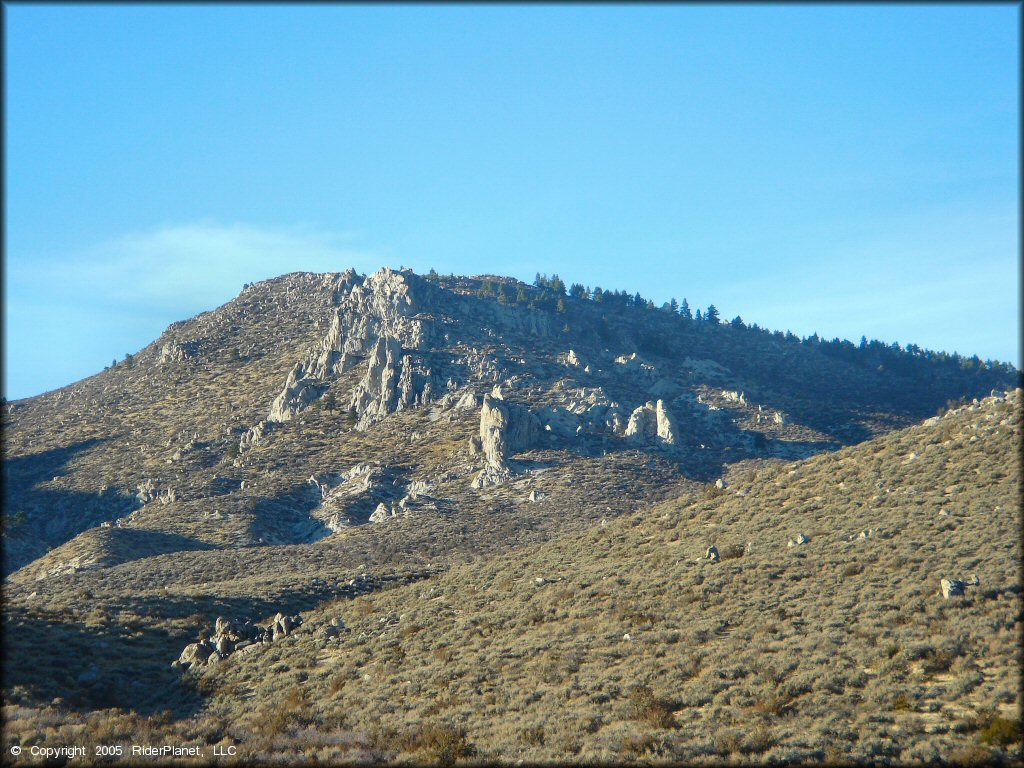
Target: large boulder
(504, 429)
(196, 654)
(652, 425)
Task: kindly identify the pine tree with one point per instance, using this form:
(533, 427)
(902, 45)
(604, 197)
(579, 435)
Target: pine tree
(698, 318)
(598, 294)
(711, 315)
(673, 305)
(684, 310)
(330, 402)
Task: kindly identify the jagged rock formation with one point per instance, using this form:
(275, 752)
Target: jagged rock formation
(173, 352)
(376, 315)
(386, 388)
(504, 429)
(652, 424)
(252, 437)
(230, 637)
(299, 391)
(148, 492)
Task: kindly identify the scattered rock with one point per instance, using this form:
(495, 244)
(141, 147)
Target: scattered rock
(798, 541)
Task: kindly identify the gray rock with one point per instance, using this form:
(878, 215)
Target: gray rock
(196, 654)
(90, 676)
(504, 428)
(952, 588)
(652, 424)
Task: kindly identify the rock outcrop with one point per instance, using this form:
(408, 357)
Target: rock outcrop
(356, 496)
(230, 637)
(504, 429)
(377, 316)
(299, 391)
(652, 425)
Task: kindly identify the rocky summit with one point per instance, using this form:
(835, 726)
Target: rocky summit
(405, 517)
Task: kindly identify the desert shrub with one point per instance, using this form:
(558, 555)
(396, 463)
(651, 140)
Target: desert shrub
(1000, 732)
(732, 551)
(775, 703)
(758, 740)
(712, 491)
(533, 736)
(939, 660)
(892, 650)
(638, 745)
(901, 704)
(440, 742)
(645, 707)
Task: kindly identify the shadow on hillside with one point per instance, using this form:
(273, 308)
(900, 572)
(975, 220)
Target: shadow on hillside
(49, 658)
(37, 518)
(129, 544)
(287, 518)
(259, 608)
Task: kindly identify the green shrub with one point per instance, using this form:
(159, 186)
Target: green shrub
(645, 707)
(1001, 732)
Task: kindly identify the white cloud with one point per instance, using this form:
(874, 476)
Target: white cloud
(68, 316)
(192, 265)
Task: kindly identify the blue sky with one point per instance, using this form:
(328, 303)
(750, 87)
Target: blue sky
(840, 170)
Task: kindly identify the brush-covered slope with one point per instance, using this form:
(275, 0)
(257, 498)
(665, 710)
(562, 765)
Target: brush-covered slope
(230, 430)
(625, 642)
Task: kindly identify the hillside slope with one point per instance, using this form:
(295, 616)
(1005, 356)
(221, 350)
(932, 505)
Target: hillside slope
(625, 642)
(213, 437)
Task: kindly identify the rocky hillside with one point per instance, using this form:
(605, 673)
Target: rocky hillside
(466, 413)
(862, 604)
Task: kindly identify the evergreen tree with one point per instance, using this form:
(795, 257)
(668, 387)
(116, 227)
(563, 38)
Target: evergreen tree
(561, 304)
(711, 315)
(673, 305)
(577, 291)
(684, 310)
(129, 359)
(638, 300)
(522, 297)
(737, 322)
(598, 294)
(330, 402)
(698, 318)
